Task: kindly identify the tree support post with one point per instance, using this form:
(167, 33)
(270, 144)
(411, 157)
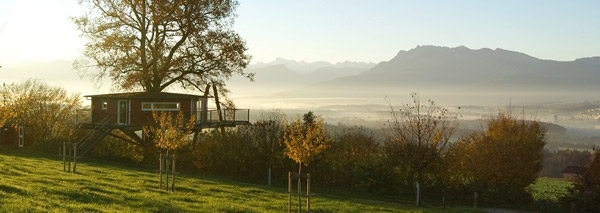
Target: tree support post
(308, 192)
(173, 174)
(64, 155)
(167, 173)
(289, 191)
(299, 192)
(70, 156)
(74, 158)
(160, 170)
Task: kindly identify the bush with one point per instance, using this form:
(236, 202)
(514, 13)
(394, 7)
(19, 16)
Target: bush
(500, 162)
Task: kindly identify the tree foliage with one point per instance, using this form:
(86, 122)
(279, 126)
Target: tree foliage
(502, 160)
(585, 194)
(50, 112)
(151, 45)
(170, 132)
(304, 139)
(417, 136)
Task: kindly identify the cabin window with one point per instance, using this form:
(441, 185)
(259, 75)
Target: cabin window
(104, 105)
(160, 106)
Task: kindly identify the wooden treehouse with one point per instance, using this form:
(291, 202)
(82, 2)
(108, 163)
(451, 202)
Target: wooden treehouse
(130, 112)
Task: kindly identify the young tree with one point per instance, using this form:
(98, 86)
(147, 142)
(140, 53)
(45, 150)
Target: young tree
(151, 45)
(417, 136)
(304, 139)
(170, 132)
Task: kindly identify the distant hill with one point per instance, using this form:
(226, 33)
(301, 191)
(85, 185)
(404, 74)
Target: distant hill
(466, 72)
(282, 75)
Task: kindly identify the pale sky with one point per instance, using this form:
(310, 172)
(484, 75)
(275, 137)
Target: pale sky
(340, 30)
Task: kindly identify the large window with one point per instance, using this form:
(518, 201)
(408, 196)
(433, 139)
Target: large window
(160, 106)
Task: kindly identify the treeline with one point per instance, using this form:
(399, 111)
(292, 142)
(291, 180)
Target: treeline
(414, 153)
(555, 162)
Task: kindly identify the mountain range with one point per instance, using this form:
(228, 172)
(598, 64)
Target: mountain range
(441, 72)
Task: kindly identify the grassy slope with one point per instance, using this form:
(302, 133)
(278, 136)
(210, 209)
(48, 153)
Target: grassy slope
(29, 182)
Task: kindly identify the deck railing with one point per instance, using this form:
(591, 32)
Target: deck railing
(229, 115)
(208, 116)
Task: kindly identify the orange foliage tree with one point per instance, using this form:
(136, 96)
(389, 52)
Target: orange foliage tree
(502, 160)
(304, 139)
(170, 132)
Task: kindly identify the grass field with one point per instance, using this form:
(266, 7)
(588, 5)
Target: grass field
(32, 182)
(549, 189)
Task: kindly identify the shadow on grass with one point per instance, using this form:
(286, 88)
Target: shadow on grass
(12, 190)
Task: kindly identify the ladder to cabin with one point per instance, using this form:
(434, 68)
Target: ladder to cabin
(93, 137)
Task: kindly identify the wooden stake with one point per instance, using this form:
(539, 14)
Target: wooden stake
(167, 171)
(64, 156)
(74, 158)
(173, 175)
(70, 157)
(160, 170)
(299, 193)
(289, 191)
(308, 192)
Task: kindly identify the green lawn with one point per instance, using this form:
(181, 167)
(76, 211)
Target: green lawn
(32, 182)
(549, 189)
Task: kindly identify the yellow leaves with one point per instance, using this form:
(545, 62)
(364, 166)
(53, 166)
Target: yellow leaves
(304, 140)
(170, 132)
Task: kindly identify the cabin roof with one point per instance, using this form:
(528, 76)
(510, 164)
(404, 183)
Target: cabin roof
(146, 95)
(573, 170)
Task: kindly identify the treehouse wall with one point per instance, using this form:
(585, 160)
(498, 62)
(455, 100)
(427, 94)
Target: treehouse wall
(134, 113)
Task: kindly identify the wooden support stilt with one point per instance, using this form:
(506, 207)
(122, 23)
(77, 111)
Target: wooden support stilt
(218, 107)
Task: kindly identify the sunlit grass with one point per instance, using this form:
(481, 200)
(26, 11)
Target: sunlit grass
(30, 182)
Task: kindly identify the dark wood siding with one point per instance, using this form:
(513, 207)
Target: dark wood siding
(137, 117)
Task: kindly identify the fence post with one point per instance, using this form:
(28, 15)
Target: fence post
(269, 181)
(289, 191)
(475, 195)
(308, 192)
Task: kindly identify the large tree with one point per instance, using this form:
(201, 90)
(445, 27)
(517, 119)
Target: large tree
(150, 45)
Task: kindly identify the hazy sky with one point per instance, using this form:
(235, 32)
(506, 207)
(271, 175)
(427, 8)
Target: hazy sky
(312, 30)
